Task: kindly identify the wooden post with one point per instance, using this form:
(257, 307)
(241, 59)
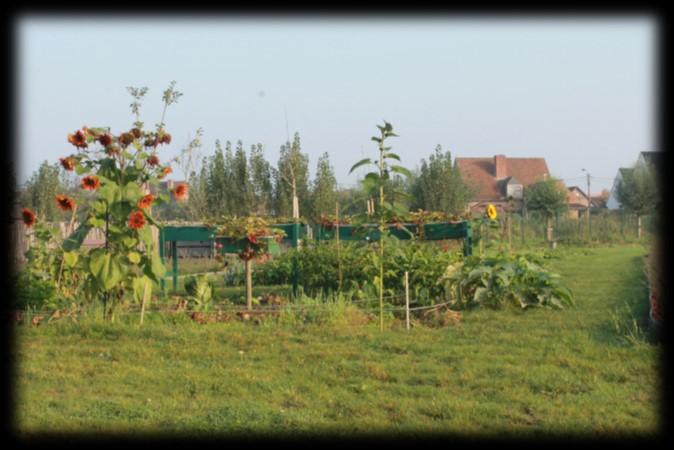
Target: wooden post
(142, 307)
(589, 207)
(481, 237)
(548, 232)
(249, 284)
(509, 218)
(295, 244)
(174, 255)
(407, 300)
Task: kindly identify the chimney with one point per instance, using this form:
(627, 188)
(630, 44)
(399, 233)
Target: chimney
(499, 167)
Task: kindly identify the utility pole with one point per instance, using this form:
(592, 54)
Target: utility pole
(589, 206)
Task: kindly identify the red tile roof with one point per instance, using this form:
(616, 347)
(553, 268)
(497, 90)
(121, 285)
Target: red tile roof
(576, 196)
(479, 174)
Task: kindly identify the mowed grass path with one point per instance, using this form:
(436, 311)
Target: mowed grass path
(537, 371)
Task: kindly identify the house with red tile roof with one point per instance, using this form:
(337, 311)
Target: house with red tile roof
(496, 179)
(577, 200)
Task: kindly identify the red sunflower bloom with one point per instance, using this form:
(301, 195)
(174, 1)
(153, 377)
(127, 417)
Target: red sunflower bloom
(65, 203)
(151, 141)
(78, 139)
(146, 201)
(137, 220)
(180, 192)
(105, 139)
(153, 160)
(165, 171)
(126, 139)
(68, 163)
(90, 183)
(136, 133)
(28, 217)
(166, 138)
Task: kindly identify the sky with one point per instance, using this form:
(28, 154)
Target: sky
(580, 92)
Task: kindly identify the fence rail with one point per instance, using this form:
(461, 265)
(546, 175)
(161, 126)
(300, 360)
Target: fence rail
(605, 227)
(22, 238)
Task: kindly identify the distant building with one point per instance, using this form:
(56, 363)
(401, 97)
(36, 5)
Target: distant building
(577, 201)
(599, 201)
(495, 179)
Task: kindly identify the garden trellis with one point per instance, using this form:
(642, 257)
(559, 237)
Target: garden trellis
(428, 232)
(200, 233)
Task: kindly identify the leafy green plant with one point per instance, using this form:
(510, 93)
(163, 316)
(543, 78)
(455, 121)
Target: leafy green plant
(497, 281)
(118, 171)
(200, 291)
(387, 209)
(49, 279)
(35, 293)
(626, 327)
(318, 267)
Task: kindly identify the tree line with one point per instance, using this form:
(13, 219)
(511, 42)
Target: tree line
(234, 180)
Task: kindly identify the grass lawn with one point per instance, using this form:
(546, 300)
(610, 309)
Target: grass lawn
(499, 372)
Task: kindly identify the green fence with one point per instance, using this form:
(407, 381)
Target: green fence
(171, 234)
(429, 232)
(606, 226)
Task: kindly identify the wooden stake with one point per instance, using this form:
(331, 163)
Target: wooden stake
(589, 206)
(481, 237)
(407, 300)
(142, 307)
(510, 231)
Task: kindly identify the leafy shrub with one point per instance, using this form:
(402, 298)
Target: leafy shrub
(500, 280)
(36, 293)
(319, 265)
(200, 291)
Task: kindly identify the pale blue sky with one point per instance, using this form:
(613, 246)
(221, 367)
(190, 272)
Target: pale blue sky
(580, 93)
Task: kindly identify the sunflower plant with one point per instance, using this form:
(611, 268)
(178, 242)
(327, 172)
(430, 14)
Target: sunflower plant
(118, 170)
(483, 222)
(387, 210)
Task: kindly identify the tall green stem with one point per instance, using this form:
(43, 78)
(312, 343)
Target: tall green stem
(381, 235)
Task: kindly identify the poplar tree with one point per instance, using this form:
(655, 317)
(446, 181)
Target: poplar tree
(292, 177)
(229, 190)
(324, 192)
(241, 188)
(198, 205)
(438, 186)
(41, 189)
(261, 181)
(217, 180)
